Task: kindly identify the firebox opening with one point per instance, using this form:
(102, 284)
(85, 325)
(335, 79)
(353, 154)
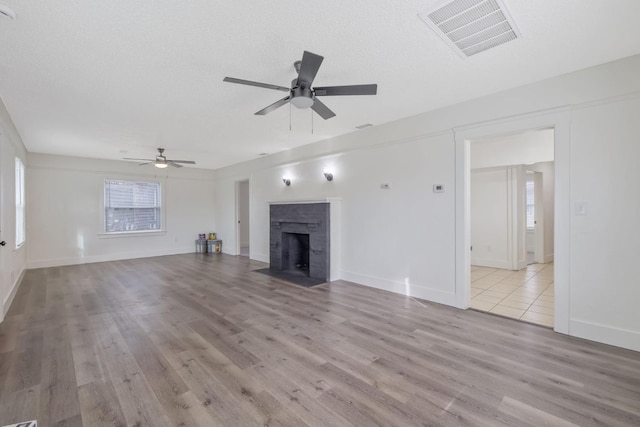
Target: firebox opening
(295, 252)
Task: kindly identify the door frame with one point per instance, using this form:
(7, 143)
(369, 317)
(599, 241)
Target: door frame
(7, 224)
(558, 119)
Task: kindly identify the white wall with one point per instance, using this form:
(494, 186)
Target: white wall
(13, 260)
(605, 177)
(527, 147)
(64, 215)
(490, 207)
(381, 228)
(402, 239)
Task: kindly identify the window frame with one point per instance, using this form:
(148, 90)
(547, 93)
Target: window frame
(20, 202)
(104, 234)
(530, 181)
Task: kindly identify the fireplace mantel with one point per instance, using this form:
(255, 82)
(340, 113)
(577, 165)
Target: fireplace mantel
(290, 202)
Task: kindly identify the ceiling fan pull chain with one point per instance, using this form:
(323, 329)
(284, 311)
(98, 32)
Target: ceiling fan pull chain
(289, 117)
(311, 122)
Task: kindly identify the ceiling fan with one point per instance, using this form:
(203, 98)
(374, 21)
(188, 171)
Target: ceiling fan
(301, 94)
(161, 161)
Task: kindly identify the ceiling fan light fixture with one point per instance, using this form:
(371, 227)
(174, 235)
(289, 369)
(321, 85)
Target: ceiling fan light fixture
(302, 102)
(301, 97)
(161, 165)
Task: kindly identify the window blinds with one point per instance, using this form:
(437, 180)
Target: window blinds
(132, 206)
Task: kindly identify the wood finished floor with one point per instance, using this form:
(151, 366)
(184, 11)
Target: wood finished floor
(197, 340)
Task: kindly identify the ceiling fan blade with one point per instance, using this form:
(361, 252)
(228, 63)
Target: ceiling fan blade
(174, 164)
(309, 68)
(346, 90)
(322, 110)
(187, 162)
(258, 84)
(140, 160)
(273, 106)
(145, 163)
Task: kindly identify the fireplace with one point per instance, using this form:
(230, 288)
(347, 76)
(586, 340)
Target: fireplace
(299, 241)
(295, 253)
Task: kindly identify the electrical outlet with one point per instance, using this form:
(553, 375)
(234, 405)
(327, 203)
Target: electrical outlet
(438, 188)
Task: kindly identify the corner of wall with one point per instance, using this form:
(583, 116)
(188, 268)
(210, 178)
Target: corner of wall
(403, 288)
(12, 293)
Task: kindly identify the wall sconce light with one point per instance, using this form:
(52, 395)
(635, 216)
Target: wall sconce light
(286, 181)
(328, 175)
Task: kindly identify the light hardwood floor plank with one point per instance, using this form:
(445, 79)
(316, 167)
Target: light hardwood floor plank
(201, 340)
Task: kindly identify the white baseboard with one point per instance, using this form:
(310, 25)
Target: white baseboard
(12, 293)
(260, 257)
(57, 262)
(491, 263)
(605, 334)
(413, 290)
(548, 258)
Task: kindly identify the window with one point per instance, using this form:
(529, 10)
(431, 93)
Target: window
(131, 206)
(531, 223)
(20, 211)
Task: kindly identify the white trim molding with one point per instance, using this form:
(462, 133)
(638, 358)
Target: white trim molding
(12, 294)
(606, 334)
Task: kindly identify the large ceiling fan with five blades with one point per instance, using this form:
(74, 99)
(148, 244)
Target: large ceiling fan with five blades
(301, 92)
(161, 161)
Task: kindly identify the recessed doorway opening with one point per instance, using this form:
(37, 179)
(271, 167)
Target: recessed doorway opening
(243, 228)
(511, 225)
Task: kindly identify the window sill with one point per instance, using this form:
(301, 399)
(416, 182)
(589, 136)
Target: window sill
(119, 234)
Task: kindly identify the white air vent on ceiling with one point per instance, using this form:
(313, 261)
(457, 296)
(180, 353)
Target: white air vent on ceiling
(472, 26)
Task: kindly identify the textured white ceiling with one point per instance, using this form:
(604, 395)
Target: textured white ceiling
(118, 78)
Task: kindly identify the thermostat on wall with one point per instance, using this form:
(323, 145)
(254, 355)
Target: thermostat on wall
(438, 188)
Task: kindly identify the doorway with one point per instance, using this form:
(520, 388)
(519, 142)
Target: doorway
(243, 226)
(511, 234)
(559, 120)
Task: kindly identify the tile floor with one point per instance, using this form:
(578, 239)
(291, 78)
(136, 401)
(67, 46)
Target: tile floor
(526, 294)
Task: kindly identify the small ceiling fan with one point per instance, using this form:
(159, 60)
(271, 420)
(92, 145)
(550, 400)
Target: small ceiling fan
(301, 94)
(162, 162)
